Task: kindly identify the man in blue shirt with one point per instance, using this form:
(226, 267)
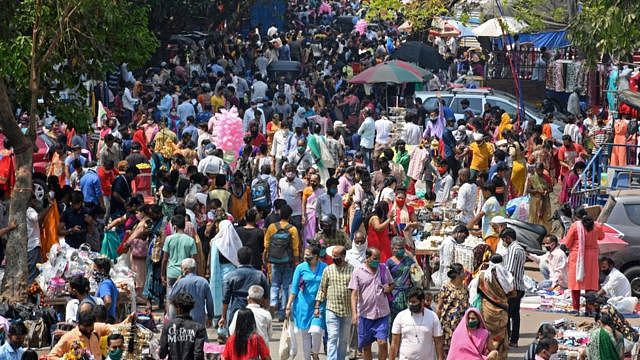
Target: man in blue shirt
(91, 187)
(12, 348)
(191, 130)
(107, 289)
(198, 287)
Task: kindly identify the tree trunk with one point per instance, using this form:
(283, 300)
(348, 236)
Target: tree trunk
(14, 284)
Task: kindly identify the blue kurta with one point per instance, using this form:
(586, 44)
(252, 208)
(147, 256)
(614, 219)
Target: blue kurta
(305, 286)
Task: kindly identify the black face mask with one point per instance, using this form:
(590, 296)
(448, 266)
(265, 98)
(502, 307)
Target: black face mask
(549, 248)
(415, 308)
(606, 272)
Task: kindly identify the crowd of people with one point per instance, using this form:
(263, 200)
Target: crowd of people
(309, 221)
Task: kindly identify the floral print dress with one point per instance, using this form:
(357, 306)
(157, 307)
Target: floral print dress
(455, 301)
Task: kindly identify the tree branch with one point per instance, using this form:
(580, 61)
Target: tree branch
(53, 46)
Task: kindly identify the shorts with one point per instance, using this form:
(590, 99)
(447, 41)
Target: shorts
(371, 330)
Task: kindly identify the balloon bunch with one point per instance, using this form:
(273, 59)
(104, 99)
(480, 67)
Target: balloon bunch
(227, 131)
(361, 26)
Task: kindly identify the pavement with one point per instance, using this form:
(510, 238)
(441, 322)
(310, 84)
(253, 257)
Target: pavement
(530, 320)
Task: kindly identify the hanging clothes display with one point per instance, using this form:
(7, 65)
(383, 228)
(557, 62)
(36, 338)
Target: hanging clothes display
(612, 88)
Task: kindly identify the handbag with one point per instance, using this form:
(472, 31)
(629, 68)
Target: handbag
(139, 248)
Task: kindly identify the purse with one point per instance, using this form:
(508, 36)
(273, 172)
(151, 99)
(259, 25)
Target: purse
(139, 248)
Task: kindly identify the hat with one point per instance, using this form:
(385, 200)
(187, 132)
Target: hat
(339, 124)
(502, 142)
(498, 220)
(478, 137)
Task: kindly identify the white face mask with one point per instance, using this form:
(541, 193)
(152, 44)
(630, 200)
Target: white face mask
(52, 194)
(360, 247)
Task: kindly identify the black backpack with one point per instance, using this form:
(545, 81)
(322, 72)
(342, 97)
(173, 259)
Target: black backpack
(280, 251)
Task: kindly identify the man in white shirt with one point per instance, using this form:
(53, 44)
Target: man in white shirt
(290, 189)
(443, 184)
(367, 132)
(615, 283)
(262, 316)
(254, 114)
(301, 158)
(467, 199)
(283, 143)
(129, 103)
(383, 131)
(259, 88)
(553, 265)
(211, 164)
(412, 131)
(416, 333)
(448, 252)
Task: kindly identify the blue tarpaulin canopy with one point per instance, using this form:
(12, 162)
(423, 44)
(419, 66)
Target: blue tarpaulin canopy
(548, 39)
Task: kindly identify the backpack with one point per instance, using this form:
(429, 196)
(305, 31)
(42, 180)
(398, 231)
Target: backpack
(280, 251)
(261, 194)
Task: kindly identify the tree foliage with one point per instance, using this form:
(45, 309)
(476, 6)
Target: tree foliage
(418, 12)
(48, 46)
(71, 41)
(606, 27)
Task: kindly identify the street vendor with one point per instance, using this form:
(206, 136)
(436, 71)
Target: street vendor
(448, 251)
(553, 265)
(492, 217)
(615, 283)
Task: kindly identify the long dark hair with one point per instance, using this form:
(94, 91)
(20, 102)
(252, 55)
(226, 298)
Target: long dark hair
(586, 219)
(245, 327)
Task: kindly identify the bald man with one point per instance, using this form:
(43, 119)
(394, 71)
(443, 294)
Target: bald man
(337, 296)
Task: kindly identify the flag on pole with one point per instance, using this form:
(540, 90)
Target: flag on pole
(102, 115)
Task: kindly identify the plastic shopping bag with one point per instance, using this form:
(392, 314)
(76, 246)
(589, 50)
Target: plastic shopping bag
(287, 348)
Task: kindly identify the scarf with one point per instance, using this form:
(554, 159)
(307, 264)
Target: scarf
(468, 343)
(580, 263)
(228, 242)
(505, 278)
(357, 253)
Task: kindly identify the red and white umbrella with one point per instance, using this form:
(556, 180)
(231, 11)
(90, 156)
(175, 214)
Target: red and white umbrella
(612, 240)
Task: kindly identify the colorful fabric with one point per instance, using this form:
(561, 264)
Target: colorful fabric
(455, 301)
(494, 311)
(468, 343)
(602, 345)
(401, 273)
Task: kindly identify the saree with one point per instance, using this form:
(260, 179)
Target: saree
(310, 198)
(469, 344)
(494, 311)
(539, 206)
(518, 177)
(602, 345)
(401, 273)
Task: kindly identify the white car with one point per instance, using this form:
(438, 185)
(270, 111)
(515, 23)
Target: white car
(478, 98)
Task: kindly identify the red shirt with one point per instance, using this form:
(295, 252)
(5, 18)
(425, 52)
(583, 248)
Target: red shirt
(106, 180)
(255, 347)
(258, 140)
(570, 156)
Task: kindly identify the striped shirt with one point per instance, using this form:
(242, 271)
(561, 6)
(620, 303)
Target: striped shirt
(334, 288)
(516, 257)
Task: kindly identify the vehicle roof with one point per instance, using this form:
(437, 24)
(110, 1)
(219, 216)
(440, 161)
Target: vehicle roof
(482, 91)
(627, 195)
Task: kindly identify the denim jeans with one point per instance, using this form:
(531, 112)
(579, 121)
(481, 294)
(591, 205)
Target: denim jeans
(281, 276)
(367, 155)
(355, 223)
(338, 332)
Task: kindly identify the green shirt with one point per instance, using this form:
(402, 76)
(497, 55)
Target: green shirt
(179, 247)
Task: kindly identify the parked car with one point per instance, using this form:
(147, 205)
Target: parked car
(478, 98)
(622, 212)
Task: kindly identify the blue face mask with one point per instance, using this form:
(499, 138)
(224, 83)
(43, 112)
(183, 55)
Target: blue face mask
(332, 191)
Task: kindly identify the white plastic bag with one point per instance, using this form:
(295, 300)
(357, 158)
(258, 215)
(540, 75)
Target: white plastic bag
(288, 347)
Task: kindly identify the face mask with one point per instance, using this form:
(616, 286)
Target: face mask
(399, 253)
(301, 149)
(332, 191)
(52, 194)
(400, 202)
(290, 175)
(360, 247)
(415, 308)
(606, 272)
(338, 260)
(549, 248)
(308, 258)
(433, 119)
(115, 354)
(374, 263)
(473, 324)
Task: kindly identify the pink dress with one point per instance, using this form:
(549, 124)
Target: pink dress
(591, 253)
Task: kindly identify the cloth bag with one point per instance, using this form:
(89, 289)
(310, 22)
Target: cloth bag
(287, 349)
(110, 244)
